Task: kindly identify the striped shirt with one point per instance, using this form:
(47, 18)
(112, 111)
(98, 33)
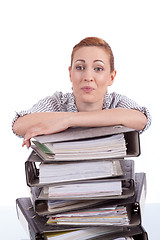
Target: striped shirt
(60, 102)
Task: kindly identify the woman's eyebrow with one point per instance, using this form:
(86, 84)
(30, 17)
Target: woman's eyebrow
(80, 60)
(98, 60)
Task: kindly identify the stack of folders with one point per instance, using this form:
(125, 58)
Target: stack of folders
(83, 187)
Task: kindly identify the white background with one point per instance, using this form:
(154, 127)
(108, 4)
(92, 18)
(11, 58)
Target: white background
(35, 46)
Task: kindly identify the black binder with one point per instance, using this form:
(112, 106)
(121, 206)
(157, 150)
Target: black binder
(37, 228)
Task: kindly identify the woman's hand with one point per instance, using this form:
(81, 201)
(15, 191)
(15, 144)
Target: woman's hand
(57, 124)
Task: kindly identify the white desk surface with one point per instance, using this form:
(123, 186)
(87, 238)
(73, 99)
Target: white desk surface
(11, 228)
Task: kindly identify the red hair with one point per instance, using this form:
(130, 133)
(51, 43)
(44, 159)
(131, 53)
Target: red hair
(95, 42)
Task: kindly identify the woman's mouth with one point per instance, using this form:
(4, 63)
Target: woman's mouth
(87, 89)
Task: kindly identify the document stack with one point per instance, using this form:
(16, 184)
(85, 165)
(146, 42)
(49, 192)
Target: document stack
(82, 186)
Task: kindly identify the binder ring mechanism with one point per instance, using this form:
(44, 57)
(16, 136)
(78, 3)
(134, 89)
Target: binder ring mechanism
(136, 207)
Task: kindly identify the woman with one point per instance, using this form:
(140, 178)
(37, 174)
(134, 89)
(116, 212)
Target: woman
(91, 73)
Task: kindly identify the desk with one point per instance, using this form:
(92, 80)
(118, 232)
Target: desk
(11, 228)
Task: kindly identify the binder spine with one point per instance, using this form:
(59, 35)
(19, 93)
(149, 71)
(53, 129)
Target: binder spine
(141, 192)
(26, 219)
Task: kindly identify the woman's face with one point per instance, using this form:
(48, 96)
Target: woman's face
(90, 76)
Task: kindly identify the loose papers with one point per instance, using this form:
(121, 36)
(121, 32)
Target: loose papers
(62, 172)
(86, 190)
(115, 215)
(58, 206)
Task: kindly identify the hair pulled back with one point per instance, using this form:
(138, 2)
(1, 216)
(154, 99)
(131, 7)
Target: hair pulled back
(95, 42)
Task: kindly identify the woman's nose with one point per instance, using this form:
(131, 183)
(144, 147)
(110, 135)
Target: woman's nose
(88, 76)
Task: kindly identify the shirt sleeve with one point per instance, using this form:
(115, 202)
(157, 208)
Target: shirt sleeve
(125, 102)
(48, 104)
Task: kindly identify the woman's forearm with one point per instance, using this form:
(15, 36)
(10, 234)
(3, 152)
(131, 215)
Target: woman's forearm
(23, 124)
(51, 122)
(117, 116)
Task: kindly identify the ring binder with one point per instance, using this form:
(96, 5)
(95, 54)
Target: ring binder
(37, 227)
(131, 137)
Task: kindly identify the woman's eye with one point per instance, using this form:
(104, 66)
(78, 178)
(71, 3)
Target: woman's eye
(80, 68)
(98, 69)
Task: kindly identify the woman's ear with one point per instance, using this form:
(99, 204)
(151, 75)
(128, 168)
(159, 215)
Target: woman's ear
(70, 72)
(113, 74)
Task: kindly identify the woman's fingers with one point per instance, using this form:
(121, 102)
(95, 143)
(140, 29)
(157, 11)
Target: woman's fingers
(29, 134)
(47, 127)
(26, 142)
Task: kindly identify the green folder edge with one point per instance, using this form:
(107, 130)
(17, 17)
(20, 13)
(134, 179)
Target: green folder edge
(42, 147)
